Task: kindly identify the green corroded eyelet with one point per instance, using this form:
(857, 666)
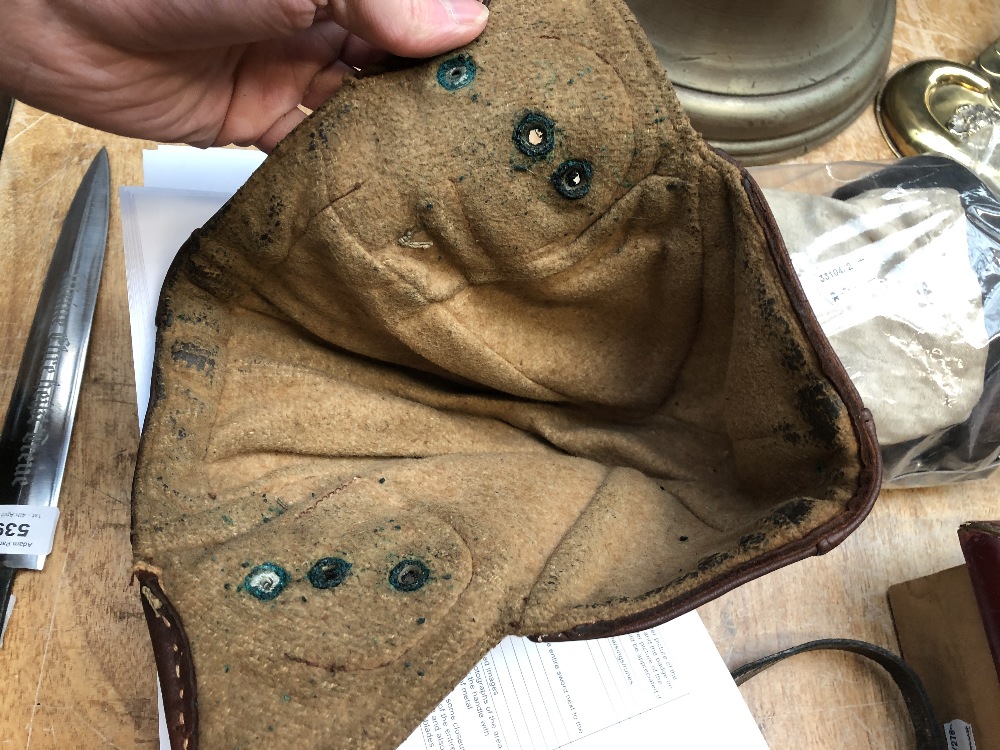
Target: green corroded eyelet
(328, 573)
(266, 581)
(572, 178)
(457, 72)
(534, 135)
(409, 575)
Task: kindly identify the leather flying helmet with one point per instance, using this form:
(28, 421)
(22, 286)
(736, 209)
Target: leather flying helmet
(491, 344)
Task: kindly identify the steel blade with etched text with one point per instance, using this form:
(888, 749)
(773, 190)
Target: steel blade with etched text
(34, 443)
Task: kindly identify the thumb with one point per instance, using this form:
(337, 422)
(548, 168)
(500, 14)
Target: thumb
(411, 28)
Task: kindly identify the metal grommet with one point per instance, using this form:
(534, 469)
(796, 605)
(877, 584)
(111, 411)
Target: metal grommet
(572, 178)
(534, 135)
(409, 575)
(457, 72)
(266, 581)
(328, 573)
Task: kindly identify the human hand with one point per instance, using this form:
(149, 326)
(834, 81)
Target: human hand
(210, 72)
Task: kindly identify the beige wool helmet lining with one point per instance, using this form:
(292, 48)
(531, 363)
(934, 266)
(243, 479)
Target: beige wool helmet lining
(491, 344)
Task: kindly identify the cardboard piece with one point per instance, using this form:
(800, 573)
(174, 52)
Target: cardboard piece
(941, 636)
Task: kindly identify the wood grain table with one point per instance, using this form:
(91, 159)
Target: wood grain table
(77, 669)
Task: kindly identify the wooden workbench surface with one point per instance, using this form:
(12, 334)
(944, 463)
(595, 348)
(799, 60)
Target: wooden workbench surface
(77, 666)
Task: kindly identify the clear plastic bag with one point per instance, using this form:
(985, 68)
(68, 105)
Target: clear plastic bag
(901, 263)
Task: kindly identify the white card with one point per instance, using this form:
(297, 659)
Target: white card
(27, 529)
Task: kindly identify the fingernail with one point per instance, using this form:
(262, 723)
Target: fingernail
(465, 12)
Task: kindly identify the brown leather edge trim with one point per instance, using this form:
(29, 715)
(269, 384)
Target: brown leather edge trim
(174, 664)
(980, 542)
(821, 539)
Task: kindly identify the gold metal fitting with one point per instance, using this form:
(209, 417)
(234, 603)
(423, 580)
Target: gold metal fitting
(937, 106)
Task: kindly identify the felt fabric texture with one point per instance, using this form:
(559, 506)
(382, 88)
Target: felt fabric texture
(889, 277)
(491, 344)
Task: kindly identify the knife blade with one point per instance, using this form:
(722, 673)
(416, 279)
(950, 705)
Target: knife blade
(35, 439)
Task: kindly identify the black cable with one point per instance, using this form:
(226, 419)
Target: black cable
(929, 732)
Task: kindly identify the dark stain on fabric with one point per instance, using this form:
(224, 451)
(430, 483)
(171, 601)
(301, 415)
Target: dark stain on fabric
(793, 358)
(156, 387)
(194, 357)
(712, 561)
(795, 512)
(752, 541)
(821, 412)
(275, 209)
(789, 434)
(197, 319)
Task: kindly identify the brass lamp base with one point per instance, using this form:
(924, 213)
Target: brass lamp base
(767, 80)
